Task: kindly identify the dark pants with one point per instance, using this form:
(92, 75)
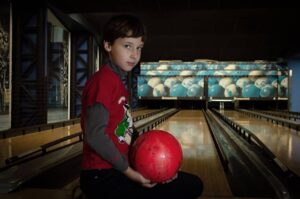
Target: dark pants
(109, 183)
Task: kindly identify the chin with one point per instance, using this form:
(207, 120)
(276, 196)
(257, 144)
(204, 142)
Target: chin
(128, 69)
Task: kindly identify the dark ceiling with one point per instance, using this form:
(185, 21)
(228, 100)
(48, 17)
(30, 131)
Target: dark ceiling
(203, 29)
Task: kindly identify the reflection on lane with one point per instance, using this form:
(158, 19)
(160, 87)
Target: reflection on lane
(23, 143)
(282, 141)
(199, 152)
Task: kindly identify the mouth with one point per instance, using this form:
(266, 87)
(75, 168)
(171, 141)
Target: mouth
(131, 64)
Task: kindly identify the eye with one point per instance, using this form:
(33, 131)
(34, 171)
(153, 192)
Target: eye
(140, 48)
(127, 46)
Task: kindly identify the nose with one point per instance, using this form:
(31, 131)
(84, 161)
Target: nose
(134, 53)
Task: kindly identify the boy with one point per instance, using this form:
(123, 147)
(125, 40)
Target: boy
(108, 128)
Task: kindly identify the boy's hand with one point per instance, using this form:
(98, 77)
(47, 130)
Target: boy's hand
(174, 177)
(139, 178)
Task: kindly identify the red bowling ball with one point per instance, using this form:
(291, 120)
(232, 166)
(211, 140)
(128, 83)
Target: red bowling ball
(157, 155)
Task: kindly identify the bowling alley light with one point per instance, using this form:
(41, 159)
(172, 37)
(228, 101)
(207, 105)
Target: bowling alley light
(221, 100)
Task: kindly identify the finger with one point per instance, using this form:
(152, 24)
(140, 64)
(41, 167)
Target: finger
(149, 185)
(173, 178)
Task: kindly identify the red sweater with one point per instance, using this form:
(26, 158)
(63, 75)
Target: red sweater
(105, 87)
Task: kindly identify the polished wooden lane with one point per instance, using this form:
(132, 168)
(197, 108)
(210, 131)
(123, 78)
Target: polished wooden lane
(142, 112)
(282, 141)
(200, 158)
(200, 154)
(17, 145)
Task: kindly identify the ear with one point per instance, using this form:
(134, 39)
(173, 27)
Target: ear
(107, 46)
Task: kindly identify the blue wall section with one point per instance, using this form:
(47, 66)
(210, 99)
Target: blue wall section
(294, 64)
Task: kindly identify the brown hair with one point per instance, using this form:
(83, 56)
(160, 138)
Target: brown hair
(121, 26)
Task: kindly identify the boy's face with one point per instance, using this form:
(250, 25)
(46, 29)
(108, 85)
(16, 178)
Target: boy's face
(125, 52)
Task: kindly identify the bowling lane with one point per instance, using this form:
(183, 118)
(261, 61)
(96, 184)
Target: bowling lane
(142, 112)
(199, 152)
(282, 141)
(285, 115)
(23, 143)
